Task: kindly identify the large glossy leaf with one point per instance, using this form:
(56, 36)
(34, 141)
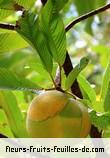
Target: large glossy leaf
(13, 113)
(30, 31)
(11, 41)
(9, 80)
(86, 87)
(75, 72)
(52, 26)
(105, 89)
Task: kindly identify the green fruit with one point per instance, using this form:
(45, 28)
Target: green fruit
(53, 114)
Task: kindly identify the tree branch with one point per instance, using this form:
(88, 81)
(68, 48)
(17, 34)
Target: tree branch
(86, 16)
(68, 67)
(95, 132)
(69, 26)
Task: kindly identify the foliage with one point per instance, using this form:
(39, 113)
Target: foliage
(30, 54)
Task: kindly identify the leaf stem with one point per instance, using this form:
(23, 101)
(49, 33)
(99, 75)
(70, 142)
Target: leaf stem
(58, 76)
(53, 81)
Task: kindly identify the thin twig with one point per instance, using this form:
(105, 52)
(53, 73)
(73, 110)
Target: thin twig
(7, 26)
(53, 81)
(86, 16)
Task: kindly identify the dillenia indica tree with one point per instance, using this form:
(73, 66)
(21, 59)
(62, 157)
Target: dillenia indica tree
(62, 106)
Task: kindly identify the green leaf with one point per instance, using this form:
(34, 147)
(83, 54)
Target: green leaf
(9, 80)
(100, 120)
(52, 26)
(106, 133)
(4, 126)
(12, 4)
(106, 102)
(75, 72)
(86, 87)
(13, 113)
(86, 103)
(98, 106)
(85, 7)
(11, 41)
(13, 59)
(106, 80)
(88, 26)
(7, 7)
(105, 89)
(6, 4)
(27, 4)
(61, 3)
(99, 3)
(30, 31)
(103, 51)
(5, 13)
(39, 69)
